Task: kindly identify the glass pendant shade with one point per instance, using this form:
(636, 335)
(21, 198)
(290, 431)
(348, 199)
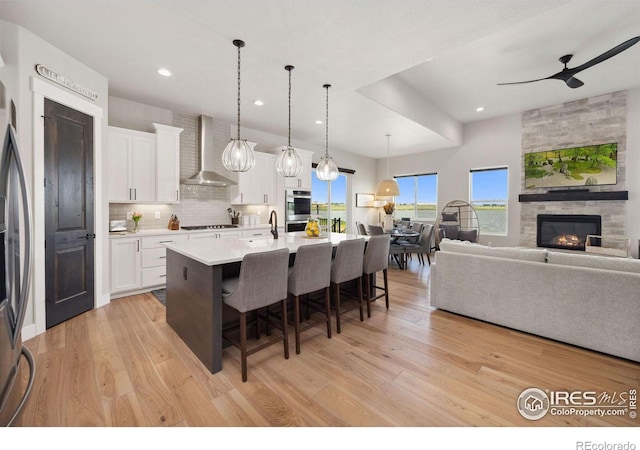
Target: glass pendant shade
(327, 169)
(289, 163)
(238, 156)
(388, 188)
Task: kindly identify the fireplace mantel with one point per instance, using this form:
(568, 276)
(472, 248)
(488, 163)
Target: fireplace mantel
(568, 196)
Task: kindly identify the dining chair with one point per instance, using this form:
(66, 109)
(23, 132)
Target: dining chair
(347, 266)
(311, 272)
(362, 231)
(423, 246)
(262, 282)
(375, 230)
(376, 259)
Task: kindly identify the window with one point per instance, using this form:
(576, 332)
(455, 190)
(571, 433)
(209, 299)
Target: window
(489, 192)
(417, 199)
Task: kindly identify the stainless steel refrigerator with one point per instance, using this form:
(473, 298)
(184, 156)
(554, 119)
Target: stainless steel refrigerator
(15, 271)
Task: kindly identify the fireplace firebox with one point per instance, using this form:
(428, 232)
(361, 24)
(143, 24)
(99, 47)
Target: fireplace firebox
(567, 231)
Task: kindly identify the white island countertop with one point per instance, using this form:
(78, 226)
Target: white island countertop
(228, 250)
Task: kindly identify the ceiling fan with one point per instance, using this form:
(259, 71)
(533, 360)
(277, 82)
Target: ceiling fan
(567, 74)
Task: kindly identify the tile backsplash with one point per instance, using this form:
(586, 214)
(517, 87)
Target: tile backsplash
(199, 205)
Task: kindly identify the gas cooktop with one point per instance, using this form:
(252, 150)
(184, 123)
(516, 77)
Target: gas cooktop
(208, 227)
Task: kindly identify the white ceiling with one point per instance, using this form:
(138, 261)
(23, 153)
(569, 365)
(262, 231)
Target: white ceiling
(375, 53)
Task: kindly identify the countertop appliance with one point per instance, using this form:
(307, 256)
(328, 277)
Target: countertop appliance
(118, 225)
(15, 272)
(297, 209)
(208, 227)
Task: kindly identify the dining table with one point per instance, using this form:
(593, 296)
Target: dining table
(399, 234)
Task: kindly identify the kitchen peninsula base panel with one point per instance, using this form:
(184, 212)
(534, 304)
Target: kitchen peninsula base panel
(194, 307)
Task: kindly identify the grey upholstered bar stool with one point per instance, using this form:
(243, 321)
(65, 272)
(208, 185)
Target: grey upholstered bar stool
(311, 272)
(262, 282)
(347, 266)
(376, 259)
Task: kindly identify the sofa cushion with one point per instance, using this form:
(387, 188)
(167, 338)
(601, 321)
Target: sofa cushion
(594, 261)
(525, 254)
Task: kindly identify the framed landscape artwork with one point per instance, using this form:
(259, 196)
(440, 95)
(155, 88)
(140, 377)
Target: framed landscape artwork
(590, 165)
(365, 200)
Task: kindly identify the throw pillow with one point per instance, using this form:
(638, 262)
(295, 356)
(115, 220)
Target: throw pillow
(468, 235)
(449, 217)
(450, 231)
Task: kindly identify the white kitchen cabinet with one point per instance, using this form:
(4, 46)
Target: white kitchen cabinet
(302, 181)
(258, 186)
(132, 166)
(125, 264)
(154, 258)
(167, 163)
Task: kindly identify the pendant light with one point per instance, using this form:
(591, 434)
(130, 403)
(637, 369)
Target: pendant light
(238, 155)
(388, 187)
(326, 170)
(289, 163)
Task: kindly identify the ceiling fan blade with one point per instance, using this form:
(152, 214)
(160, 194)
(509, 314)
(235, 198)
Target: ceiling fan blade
(521, 82)
(606, 55)
(573, 82)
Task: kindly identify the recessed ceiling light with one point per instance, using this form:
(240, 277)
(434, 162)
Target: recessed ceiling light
(258, 102)
(480, 108)
(164, 72)
(318, 122)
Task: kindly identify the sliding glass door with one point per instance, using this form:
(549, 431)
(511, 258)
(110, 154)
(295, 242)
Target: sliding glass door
(329, 203)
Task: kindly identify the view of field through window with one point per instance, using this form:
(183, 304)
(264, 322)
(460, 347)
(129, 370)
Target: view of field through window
(489, 192)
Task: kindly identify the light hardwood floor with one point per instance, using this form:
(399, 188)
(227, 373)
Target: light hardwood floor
(122, 365)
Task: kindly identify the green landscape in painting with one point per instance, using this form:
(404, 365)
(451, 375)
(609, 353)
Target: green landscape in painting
(591, 165)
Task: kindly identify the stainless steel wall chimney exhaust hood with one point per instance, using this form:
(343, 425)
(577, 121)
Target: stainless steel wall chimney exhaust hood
(206, 175)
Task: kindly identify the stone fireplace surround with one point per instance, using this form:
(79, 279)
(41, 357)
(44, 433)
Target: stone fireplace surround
(589, 121)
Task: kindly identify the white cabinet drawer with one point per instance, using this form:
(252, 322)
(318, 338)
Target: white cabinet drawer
(256, 233)
(153, 276)
(160, 241)
(153, 257)
(215, 235)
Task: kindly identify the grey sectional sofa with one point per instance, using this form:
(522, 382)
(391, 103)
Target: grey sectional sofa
(585, 300)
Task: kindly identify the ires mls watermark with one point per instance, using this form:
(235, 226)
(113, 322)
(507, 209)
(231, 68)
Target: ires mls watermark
(534, 403)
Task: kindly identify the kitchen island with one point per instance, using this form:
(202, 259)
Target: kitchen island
(194, 285)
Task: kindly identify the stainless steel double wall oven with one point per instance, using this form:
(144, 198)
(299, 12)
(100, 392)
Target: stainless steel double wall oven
(297, 209)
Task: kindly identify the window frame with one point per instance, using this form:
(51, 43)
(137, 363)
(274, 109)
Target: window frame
(415, 193)
(506, 200)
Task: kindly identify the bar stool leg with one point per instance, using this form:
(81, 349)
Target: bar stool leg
(337, 291)
(284, 329)
(327, 302)
(386, 288)
(361, 299)
(296, 321)
(243, 345)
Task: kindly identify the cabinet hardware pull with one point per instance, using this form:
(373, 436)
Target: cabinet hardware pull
(163, 276)
(130, 192)
(135, 194)
(164, 242)
(177, 195)
(163, 257)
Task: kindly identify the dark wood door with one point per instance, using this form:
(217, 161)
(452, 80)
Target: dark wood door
(69, 204)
